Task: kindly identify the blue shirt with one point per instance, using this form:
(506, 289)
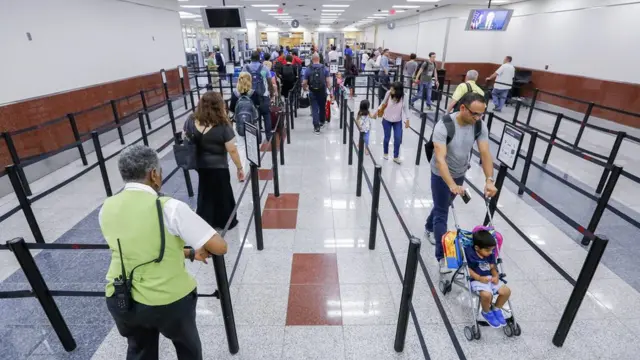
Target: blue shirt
(348, 52)
(384, 64)
(307, 74)
(266, 74)
(481, 266)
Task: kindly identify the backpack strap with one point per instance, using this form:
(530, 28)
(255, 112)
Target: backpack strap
(477, 130)
(450, 126)
(469, 88)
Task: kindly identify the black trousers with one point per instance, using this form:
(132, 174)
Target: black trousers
(143, 325)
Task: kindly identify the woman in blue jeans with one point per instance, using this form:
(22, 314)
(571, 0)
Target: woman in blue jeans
(395, 110)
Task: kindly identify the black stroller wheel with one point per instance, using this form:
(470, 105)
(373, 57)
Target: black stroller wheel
(516, 329)
(508, 330)
(468, 333)
(476, 332)
(442, 286)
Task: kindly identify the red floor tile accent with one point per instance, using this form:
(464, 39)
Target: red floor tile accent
(314, 305)
(314, 269)
(284, 202)
(279, 219)
(265, 174)
(267, 146)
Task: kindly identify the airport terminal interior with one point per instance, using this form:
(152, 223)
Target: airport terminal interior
(529, 111)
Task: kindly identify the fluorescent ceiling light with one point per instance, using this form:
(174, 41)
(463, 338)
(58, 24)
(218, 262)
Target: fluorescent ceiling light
(264, 5)
(405, 6)
(269, 11)
(193, 6)
(332, 10)
(336, 6)
(276, 15)
(427, 1)
(379, 16)
(183, 0)
(372, 17)
(248, 19)
(323, 29)
(330, 15)
(384, 11)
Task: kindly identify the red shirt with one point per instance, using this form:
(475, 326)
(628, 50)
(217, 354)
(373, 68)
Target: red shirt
(282, 60)
(296, 60)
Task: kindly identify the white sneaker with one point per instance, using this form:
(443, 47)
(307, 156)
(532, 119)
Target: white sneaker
(397, 161)
(429, 236)
(443, 267)
(385, 156)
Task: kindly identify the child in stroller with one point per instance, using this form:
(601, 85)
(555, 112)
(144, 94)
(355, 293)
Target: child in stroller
(485, 279)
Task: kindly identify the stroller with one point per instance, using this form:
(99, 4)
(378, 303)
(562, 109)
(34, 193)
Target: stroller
(455, 257)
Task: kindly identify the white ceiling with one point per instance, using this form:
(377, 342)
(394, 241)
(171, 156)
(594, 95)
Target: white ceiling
(309, 12)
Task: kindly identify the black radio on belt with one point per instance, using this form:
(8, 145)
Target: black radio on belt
(122, 287)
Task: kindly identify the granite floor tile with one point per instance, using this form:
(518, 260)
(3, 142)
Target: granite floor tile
(314, 269)
(314, 305)
(279, 219)
(313, 343)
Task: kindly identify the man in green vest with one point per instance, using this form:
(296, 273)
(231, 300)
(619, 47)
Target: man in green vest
(147, 234)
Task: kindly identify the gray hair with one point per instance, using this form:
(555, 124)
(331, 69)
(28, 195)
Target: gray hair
(136, 161)
(315, 57)
(472, 75)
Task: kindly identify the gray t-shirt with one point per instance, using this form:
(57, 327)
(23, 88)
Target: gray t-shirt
(459, 148)
(427, 71)
(410, 68)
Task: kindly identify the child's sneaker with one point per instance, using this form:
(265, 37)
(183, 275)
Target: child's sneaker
(385, 156)
(497, 313)
(491, 319)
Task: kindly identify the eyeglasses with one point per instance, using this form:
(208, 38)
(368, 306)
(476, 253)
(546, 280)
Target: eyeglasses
(476, 115)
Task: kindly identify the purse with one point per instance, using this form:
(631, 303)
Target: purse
(186, 152)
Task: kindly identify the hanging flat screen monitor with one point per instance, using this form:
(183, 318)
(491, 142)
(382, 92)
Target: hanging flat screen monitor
(223, 18)
(489, 19)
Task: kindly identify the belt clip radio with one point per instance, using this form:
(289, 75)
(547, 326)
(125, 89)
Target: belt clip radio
(122, 288)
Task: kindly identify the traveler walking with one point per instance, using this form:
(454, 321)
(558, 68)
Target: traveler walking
(149, 291)
(394, 111)
(409, 70)
(425, 77)
(318, 81)
(453, 138)
(261, 83)
(211, 130)
(469, 85)
(504, 82)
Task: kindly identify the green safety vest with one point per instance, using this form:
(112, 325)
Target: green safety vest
(132, 217)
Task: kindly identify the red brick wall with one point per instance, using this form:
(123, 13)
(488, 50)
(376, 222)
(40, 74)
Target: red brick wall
(618, 95)
(36, 111)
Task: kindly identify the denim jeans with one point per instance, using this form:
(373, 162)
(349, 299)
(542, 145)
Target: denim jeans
(424, 85)
(437, 220)
(318, 103)
(397, 136)
(265, 113)
(499, 97)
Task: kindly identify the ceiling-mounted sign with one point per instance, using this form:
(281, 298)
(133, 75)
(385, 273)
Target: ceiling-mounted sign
(391, 25)
(295, 24)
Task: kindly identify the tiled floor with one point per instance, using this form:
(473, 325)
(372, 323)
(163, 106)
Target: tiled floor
(316, 291)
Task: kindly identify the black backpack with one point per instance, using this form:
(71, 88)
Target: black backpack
(288, 74)
(451, 132)
(245, 111)
(469, 89)
(257, 80)
(317, 80)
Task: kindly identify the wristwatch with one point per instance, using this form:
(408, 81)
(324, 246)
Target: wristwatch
(490, 178)
(192, 254)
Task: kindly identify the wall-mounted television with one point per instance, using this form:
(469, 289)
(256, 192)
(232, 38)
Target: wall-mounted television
(223, 17)
(489, 19)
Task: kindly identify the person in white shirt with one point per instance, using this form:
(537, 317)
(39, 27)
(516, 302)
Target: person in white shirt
(504, 82)
(365, 58)
(333, 55)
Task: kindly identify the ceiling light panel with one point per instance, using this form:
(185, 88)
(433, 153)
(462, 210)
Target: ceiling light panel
(332, 10)
(335, 6)
(193, 6)
(405, 6)
(264, 5)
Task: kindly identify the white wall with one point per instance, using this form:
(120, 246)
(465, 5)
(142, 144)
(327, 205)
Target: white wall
(601, 42)
(79, 43)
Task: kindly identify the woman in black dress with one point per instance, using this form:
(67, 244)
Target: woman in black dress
(214, 136)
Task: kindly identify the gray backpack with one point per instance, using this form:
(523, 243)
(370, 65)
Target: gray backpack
(245, 111)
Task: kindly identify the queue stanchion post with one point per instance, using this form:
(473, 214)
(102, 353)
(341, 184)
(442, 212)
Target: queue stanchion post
(583, 124)
(172, 117)
(527, 162)
(532, 105)
(197, 87)
(41, 291)
(209, 82)
(274, 162)
(163, 75)
(490, 121)
(603, 201)
(344, 128)
(408, 285)
(15, 159)
(375, 203)
(410, 89)
(230, 83)
(552, 138)
(101, 163)
(145, 108)
(493, 203)
(423, 127)
(25, 203)
(360, 164)
(77, 138)
(435, 121)
(446, 99)
(351, 123)
(341, 109)
(220, 83)
(193, 103)
(177, 138)
(257, 212)
(612, 157)
(289, 116)
(116, 119)
(368, 85)
(516, 112)
(143, 130)
(282, 134)
(580, 289)
(224, 294)
(423, 96)
(184, 93)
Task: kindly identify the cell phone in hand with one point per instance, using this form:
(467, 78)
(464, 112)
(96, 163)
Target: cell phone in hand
(466, 196)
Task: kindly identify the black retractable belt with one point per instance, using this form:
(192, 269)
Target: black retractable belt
(122, 285)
